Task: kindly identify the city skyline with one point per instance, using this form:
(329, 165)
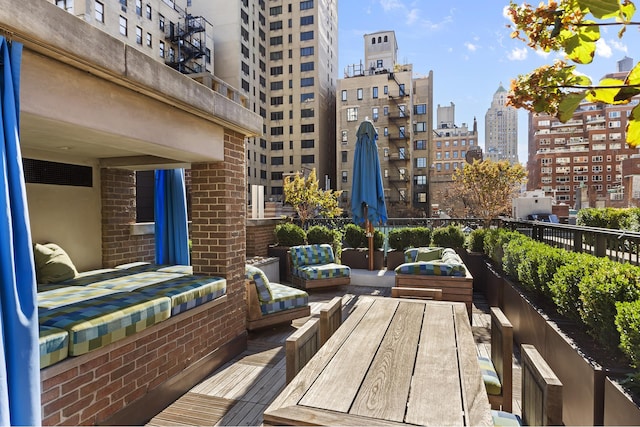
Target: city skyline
(468, 47)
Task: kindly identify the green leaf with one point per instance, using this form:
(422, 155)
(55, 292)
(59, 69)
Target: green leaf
(601, 9)
(633, 78)
(569, 104)
(633, 127)
(581, 47)
(627, 11)
(605, 94)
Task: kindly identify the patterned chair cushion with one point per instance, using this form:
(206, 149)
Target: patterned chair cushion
(260, 279)
(94, 323)
(432, 268)
(284, 298)
(490, 376)
(505, 419)
(311, 255)
(54, 345)
(51, 297)
(324, 271)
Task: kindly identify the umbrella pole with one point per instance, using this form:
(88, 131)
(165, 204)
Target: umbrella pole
(370, 235)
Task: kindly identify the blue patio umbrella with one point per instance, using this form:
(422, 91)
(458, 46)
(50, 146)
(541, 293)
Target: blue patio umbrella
(367, 193)
(19, 351)
(170, 208)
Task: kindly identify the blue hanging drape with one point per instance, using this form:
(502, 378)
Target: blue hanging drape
(20, 355)
(172, 239)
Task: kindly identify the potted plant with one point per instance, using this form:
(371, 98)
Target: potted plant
(401, 239)
(355, 253)
(319, 234)
(450, 236)
(287, 234)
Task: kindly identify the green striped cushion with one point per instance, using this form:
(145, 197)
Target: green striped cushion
(284, 298)
(505, 419)
(490, 376)
(54, 345)
(260, 279)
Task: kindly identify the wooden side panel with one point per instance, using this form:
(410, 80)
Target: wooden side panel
(330, 318)
(301, 346)
(541, 390)
(501, 354)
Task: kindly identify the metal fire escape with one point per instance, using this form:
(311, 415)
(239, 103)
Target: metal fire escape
(399, 140)
(189, 38)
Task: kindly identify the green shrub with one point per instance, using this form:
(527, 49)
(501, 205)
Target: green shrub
(496, 239)
(600, 291)
(319, 234)
(628, 325)
(289, 234)
(475, 240)
(515, 252)
(378, 239)
(450, 236)
(419, 236)
(354, 236)
(564, 288)
(400, 238)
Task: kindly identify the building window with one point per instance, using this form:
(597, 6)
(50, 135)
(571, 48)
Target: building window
(385, 131)
(385, 90)
(274, 41)
(149, 41)
(123, 26)
(161, 48)
(345, 137)
(65, 4)
(277, 160)
(148, 9)
(421, 127)
(304, 97)
(307, 128)
(352, 114)
(307, 81)
(385, 152)
(308, 158)
(276, 10)
(308, 4)
(375, 114)
(99, 12)
(306, 51)
(374, 92)
(385, 110)
(138, 35)
(306, 35)
(359, 91)
(421, 179)
(421, 162)
(344, 95)
(420, 109)
(306, 20)
(139, 7)
(307, 143)
(161, 22)
(344, 156)
(307, 66)
(345, 176)
(420, 144)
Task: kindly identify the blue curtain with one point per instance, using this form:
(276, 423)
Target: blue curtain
(20, 355)
(172, 239)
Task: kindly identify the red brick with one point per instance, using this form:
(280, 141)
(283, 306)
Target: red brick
(77, 382)
(60, 403)
(77, 407)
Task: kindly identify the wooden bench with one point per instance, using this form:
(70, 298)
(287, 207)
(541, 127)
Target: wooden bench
(301, 346)
(417, 293)
(541, 390)
(314, 266)
(501, 356)
(330, 318)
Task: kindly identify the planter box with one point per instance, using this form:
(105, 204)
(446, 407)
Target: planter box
(394, 259)
(359, 258)
(619, 407)
(494, 285)
(474, 261)
(269, 266)
(282, 253)
(529, 324)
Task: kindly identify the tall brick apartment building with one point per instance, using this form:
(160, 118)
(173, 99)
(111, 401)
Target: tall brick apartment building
(580, 162)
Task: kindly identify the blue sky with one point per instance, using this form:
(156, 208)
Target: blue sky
(467, 45)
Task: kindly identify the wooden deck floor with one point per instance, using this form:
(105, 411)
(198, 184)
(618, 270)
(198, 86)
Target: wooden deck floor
(238, 392)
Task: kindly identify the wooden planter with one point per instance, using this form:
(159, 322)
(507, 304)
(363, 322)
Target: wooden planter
(494, 285)
(394, 258)
(282, 253)
(359, 258)
(474, 261)
(619, 408)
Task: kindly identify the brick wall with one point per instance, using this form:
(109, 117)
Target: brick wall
(93, 387)
(119, 246)
(260, 234)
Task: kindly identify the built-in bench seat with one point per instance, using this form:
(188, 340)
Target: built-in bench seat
(436, 268)
(314, 266)
(98, 307)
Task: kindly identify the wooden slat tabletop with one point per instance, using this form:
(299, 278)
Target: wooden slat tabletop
(393, 361)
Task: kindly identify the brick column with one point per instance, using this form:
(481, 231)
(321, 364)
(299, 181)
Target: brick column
(218, 209)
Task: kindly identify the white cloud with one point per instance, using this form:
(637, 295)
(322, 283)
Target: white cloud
(618, 45)
(603, 49)
(413, 16)
(471, 47)
(388, 5)
(542, 53)
(518, 54)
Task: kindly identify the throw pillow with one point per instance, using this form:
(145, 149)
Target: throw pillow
(53, 264)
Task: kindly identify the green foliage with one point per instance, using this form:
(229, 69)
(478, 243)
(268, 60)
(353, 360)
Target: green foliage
(612, 218)
(308, 199)
(354, 236)
(319, 234)
(572, 27)
(628, 325)
(450, 236)
(289, 234)
(400, 238)
(599, 293)
(378, 239)
(475, 240)
(419, 236)
(495, 241)
(564, 286)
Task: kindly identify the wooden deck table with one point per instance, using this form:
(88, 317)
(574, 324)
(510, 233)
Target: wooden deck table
(393, 361)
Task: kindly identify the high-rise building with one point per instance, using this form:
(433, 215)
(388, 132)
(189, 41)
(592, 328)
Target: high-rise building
(580, 162)
(281, 57)
(399, 103)
(451, 145)
(501, 129)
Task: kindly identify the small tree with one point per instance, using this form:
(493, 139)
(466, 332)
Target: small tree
(572, 26)
(487, 187)
(308, 199)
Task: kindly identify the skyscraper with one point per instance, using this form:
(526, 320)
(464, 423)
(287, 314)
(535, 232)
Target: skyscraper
(501, 129)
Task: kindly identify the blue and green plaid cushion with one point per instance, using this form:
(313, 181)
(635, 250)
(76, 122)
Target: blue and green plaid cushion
(311, 255)
(100, 321)
(146, 266)
(187, 292)
(54, 345)
(505, 419)
(324, 271)
(490, 376)
(51, 298)
(260, 279)
(431, 268)
(284, 298)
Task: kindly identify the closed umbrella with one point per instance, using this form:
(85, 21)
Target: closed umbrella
(367, 193)
(19, 349)
(170, 209)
